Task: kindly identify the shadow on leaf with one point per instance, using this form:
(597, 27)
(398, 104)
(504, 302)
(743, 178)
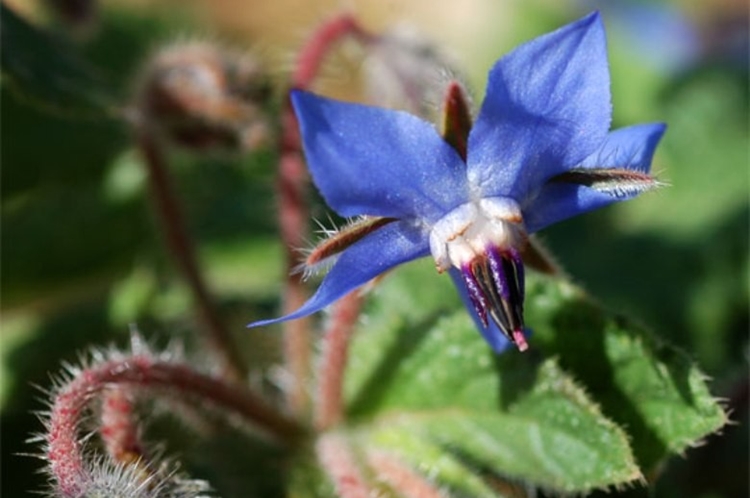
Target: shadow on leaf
(409, 337)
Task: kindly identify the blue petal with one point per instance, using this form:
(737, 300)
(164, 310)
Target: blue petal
(379, 162)
(491, 333)
(631, 147)
(546, 108)
(627, 148)
(391, 245)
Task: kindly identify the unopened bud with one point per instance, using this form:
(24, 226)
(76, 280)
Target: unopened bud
(203, 97)
(107, 479)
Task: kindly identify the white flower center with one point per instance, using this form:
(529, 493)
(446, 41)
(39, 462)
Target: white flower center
(465, 233)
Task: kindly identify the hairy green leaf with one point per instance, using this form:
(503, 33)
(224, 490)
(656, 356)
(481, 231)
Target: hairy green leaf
(424, 386)
(653, 389)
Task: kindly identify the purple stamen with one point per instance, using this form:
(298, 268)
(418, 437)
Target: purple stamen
(475, 293)
(520, 279)
(494, 282)
(496, 260)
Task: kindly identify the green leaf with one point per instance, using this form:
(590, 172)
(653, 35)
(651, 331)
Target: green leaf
(47, 71)
(651, 388)
(307, 480)
(423, 385)
(553, 437)
(429, 456)
(550, 435)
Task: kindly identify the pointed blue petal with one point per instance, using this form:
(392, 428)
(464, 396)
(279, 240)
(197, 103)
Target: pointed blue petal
(497, 341)
(627, 148)
(378, 162)
(546, 108)
(631, 147)
(391, 245)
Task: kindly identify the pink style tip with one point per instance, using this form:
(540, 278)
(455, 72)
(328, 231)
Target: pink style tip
(520, 340)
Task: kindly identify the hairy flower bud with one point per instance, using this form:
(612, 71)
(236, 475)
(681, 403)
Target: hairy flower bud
(107, 479)
(201, 96)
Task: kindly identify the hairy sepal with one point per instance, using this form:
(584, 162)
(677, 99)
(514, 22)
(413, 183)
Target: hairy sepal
(617, 182)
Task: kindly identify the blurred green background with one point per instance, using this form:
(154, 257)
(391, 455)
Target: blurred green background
(82, 258)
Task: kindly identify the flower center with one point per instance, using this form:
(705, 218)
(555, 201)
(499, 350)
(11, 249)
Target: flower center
(482, 240)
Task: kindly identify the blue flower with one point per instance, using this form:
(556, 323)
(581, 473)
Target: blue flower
(540, 151)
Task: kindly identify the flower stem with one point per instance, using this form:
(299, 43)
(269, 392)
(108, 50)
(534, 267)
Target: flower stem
(181, 248)
(292, 184)
(293, 214)
(339, 463)
(318, 46)
(119, 430)
(404, 480)
(330, 406)
(64, 450)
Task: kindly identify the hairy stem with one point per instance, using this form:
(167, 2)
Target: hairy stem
(119, 430)
(330, 405)
(64, 450)
(403, 479)
(181, 248)
(313, 53)
(339, 463)
(292, 184)
(293, 214)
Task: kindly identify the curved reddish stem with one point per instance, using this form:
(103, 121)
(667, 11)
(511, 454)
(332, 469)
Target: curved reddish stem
(292, 183)
(119, 430)
(330, 403)
(64, 448)
(405, 480)
(181, 248)
(338, 461)
(313, 53)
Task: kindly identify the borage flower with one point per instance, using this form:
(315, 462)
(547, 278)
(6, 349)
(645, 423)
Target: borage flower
(539, 152)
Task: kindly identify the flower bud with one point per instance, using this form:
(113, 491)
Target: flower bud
(203, 97)
(108, 479)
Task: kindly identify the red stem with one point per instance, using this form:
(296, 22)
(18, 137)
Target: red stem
(403, 479)
(119, 430)
(319, 45)
(293, 214)
(339, 463)
(292, 184)
(64, 450)
(330, 404)
(181, 248)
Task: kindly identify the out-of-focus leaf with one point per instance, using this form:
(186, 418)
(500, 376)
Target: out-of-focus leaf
(67, 242)
(261, 255)
(307, 480)
(130, 296)
(47, 71)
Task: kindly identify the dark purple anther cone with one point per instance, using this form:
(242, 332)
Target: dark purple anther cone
(495, 286)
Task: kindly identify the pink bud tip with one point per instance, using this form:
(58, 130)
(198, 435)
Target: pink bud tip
(520, 340)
